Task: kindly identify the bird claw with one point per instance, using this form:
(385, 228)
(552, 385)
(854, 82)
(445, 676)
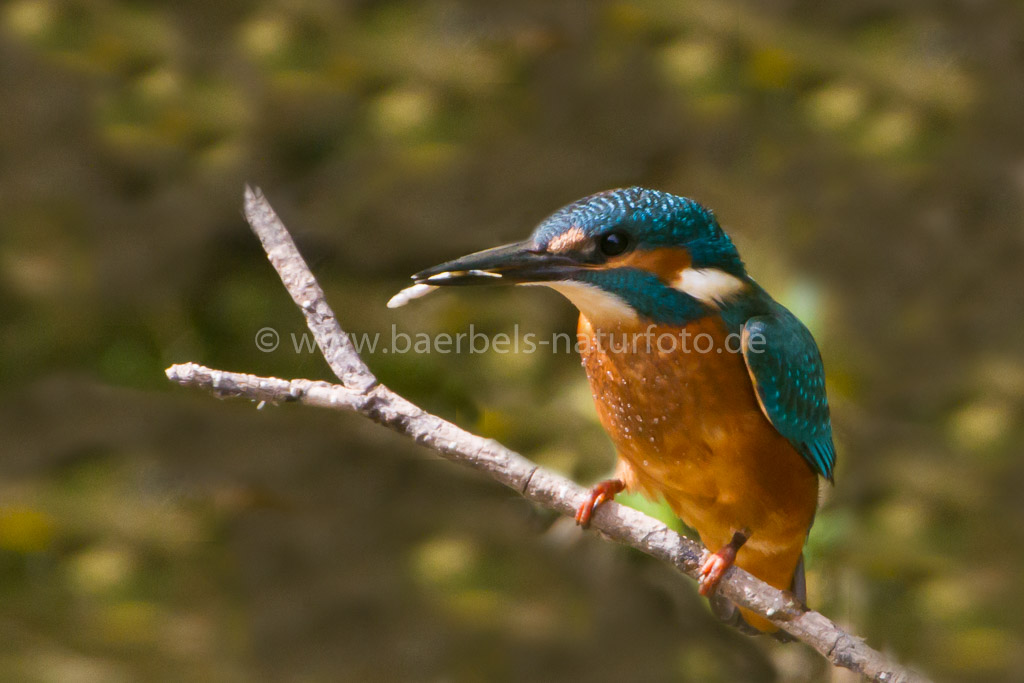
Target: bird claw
(601, 493)
(714, 568)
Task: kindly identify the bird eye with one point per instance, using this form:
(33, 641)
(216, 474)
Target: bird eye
(613, 243)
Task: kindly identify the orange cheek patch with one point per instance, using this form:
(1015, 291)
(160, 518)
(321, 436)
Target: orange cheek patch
(666, 263)
(567, 241)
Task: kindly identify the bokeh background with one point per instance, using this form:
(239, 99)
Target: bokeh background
(866, 157)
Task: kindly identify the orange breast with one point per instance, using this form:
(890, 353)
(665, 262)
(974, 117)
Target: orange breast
(687, 426)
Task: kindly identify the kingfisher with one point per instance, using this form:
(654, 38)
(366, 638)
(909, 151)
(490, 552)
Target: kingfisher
(712, 392)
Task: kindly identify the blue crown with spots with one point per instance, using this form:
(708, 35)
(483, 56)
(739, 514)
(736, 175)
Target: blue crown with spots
(654, 219)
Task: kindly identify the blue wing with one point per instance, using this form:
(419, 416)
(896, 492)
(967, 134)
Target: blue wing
(789, 379)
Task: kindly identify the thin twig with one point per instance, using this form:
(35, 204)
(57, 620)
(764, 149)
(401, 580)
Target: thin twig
(298, 279)
(361, 393)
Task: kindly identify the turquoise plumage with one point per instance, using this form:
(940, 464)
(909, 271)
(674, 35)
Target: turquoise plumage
(785, 366)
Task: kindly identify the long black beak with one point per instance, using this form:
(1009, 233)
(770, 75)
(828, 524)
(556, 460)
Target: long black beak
(514, 263)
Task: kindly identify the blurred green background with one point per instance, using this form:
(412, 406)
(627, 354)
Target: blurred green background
(866, 157)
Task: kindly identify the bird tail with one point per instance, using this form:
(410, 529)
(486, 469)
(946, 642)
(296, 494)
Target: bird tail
(725, 610)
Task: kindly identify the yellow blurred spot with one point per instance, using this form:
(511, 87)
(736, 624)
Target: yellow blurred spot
(130, 622)
(25, 530)
(106, 50)
(494, 424)
(837, 107)
(98, 570)
(67, 666)
(716, 105)
(222, 157)
(30, 18)
(689, 62)
(445, 560)
(404, 111)
(558, 459)
(218, 106)
(891, 132)
(1002, 375)
(135, 137)
(429, 156)
(580, 399)
(842, 382)
(981, 425)
(160, 85)
(627, 17)
(698, 663)
(33, 274)
(476, 605)
(804, 298)
(265, 36)
(958, 482)
(904, 520)
(772, 68)
(950, 599)
(510, 356)
(979, 650)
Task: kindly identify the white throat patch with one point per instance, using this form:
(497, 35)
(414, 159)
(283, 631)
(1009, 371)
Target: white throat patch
(598, 306)
(710, 285)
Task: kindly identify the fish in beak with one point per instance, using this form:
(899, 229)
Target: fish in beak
(514, 264)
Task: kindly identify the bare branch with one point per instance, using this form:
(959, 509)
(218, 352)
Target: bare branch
(297, 278)
(362, 394)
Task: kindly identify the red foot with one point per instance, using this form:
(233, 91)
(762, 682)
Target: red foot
(715, 566)
(601, 493)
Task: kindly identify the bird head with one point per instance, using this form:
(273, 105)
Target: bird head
(620, 256)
